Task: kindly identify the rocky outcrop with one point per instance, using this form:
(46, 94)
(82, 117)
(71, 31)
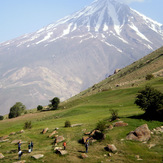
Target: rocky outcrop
(141, 133)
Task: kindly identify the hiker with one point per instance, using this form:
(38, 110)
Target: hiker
(86, 144)
(19, 146)
(20, 154)
(31, 146)
(64, 145)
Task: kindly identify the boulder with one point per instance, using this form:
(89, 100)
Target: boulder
(83, 156)
(1, 156)
(84, 138)
(57, 148)
(59, 139)
(15, 141)
(75, 125)
(111, 148)
(38, 156)
(44, 131)
(61, 152)
(120, 124)
(22, 161)
(141, 133)
(53, 133)
(98, 135)
(110, 127)
(116, 71)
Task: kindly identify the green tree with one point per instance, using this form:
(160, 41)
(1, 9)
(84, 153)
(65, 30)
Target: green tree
(39, 107)
(67, 124)
(1, 117)
(17, 110)
(149, 77)
(150, 100)
(54, 103)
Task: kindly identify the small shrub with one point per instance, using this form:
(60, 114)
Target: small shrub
(149, 77)
(114, 114)
(39, 108)
(27, 125)
(1, 117)
(101, 125)
(67, 124)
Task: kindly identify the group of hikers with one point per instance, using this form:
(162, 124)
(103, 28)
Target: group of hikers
(30, 149)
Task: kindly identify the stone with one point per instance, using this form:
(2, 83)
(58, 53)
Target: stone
(110, 127)
(141, 133)
(1, 156)
(87, 133)
(75, 125)
(98, 135)
(84, 138)
(59, 139)
(12, 133)
(22, 161)
(38, 156)
(57, 148)
(4, 137)
(116, 71)
(44, 131)
(15, 141)
(151, 145)
(53, 133)
(61, 152)
(120, 124)
(111, 148)
(83, 156)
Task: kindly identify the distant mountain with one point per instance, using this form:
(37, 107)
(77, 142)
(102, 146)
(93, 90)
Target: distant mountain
(74, 53)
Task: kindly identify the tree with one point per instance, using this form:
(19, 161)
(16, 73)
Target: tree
(54, 103)
(16, 110)
(1, 117)
(39, 107)
(150, 100)
(149, 77)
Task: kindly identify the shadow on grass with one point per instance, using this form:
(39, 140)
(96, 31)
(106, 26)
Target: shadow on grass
(147, 117)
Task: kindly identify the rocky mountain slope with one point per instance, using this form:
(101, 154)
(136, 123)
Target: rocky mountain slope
(72, 54)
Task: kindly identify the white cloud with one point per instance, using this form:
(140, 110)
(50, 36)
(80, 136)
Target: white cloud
(130, 1)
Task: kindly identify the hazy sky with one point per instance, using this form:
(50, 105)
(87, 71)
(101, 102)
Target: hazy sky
(19, 17)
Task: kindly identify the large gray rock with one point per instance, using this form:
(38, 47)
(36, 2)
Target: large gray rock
(141, 133)
(61, 152)
(44, 131)
(111, 148)
(59, 139)
(1, 156)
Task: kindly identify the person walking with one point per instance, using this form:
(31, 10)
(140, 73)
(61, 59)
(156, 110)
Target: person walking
(86, 145)
(31, 146)
(19, 146)
(64, 145)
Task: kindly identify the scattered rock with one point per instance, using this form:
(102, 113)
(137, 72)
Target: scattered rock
(158, 130)
(116, 71)
(75, 125)
(84, 138)
(111, 148)
(120, 124)
(57, 148)
(44, 131)
(110, 127)
(98, 135)
(15, 141)
(4, 137)
(83, 156)
(87, 133)
(5, 140)
(141, 133)
(22, 161)
(38, 156)
(61, 152)
(151, 145)
(1, 156)
(12, 133)
(53, 133)
(59, 139)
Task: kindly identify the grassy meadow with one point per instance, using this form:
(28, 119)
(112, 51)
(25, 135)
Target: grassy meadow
(88, 110)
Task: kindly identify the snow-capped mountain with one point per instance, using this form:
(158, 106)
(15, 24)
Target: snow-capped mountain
(74, 53)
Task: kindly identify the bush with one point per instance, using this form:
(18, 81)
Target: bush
(1, 117)
(54, 103)
(150, 100)
(39, 108)
(114, 114)
(67, 124)
(27, 125)
(17, 110)
(101, 125)
(149, 77)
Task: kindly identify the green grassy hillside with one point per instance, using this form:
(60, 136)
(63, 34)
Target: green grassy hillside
(88, 108)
